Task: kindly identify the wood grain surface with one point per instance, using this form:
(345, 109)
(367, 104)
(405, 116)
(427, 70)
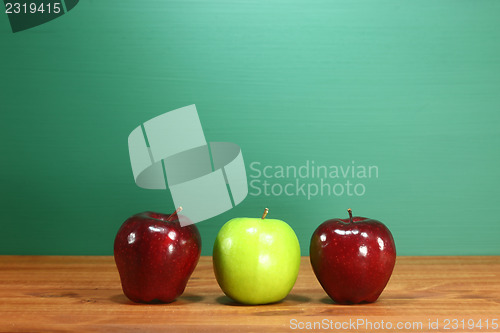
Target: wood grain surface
(62, 294)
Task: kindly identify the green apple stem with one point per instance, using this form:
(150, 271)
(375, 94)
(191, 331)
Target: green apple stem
(178, 210)
(265, 213)
(350, 214)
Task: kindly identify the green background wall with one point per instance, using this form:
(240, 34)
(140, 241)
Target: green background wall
(411, 87)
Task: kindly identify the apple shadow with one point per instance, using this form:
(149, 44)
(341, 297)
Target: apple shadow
(267, 309)
(328, 300)
(121, 299)
(281, 312)
(189, 298)
(297, 298)
(224, 300)
(181, 300)
(292, 298)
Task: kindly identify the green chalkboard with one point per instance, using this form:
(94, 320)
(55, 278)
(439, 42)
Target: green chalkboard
(405, 94)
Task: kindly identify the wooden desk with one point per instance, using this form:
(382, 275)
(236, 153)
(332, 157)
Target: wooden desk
(60, 294)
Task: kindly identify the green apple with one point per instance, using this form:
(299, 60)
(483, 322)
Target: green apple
(256, 261)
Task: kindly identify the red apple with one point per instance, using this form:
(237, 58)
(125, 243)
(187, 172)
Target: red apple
(155, 256)
(353, 258)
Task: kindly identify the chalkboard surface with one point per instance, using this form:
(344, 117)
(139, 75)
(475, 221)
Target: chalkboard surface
(389, 108)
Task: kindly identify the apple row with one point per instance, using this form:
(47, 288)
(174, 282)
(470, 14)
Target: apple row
(255, 260)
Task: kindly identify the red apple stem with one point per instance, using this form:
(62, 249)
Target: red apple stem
(350, 214)
(265, 213)
(177, 211)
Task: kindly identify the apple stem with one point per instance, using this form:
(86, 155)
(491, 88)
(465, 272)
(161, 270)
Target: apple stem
(265, 213)
(178, 210)
(350, 214)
